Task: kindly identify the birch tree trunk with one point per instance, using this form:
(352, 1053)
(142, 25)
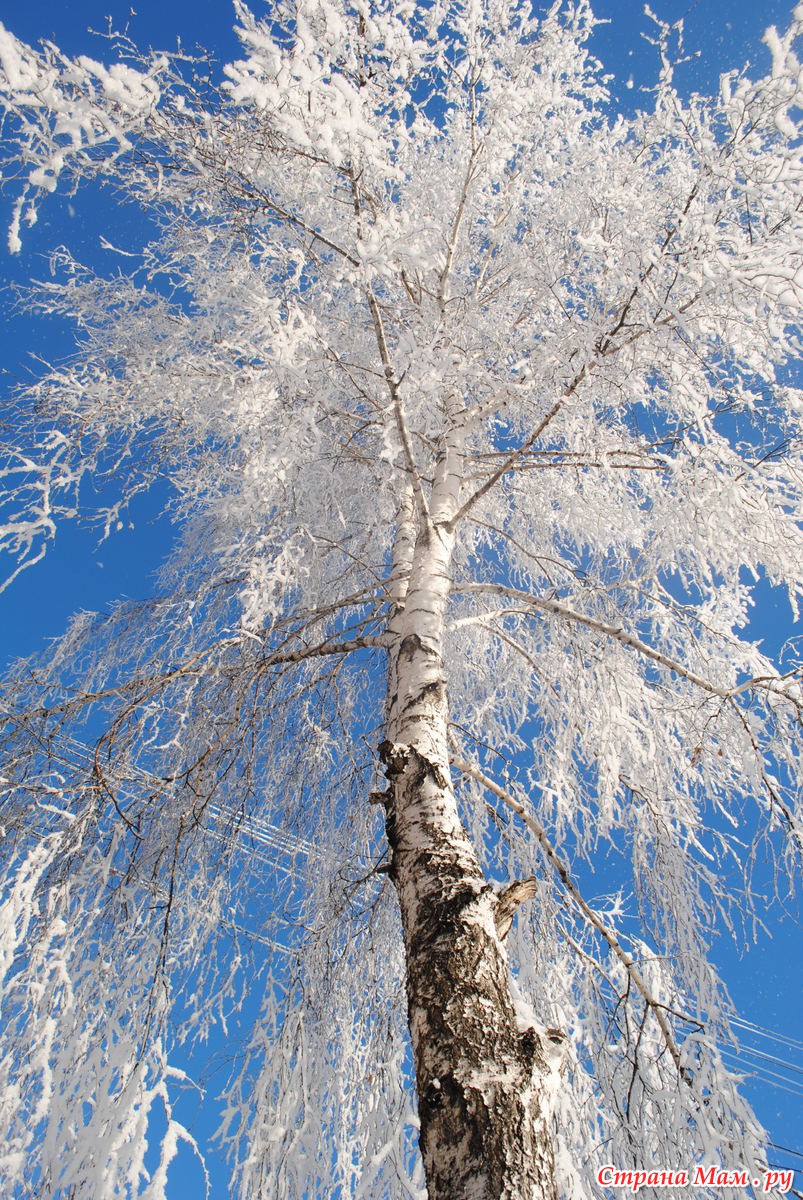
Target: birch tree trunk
(482, 1071)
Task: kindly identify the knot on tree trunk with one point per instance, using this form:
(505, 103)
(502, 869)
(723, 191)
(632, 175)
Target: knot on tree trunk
(397, 758)
(509, 900)
(394, 757)
(543, 1050)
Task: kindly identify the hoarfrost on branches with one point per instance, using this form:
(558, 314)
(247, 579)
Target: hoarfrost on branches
(475, 403)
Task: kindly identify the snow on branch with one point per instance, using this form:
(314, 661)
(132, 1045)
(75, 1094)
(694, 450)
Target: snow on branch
(70, 118)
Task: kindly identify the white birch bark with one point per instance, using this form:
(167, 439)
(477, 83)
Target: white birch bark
(483, 1075)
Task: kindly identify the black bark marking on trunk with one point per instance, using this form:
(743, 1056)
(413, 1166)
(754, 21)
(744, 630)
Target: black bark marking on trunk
(412, 645)
(435, 690)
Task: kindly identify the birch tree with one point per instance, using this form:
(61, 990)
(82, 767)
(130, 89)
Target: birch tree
(475, 403)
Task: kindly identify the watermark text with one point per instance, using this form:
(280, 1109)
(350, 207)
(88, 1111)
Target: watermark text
(701, 1176)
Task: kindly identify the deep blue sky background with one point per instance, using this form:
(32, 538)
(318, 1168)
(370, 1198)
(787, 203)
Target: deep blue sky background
(79, 572)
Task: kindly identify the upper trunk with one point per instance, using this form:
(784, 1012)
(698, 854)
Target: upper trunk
(483, 1072)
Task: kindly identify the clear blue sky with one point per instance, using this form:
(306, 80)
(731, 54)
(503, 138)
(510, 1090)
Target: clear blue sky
(80, 573)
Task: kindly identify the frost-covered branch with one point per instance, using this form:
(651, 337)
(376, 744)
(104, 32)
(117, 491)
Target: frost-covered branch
(658, 1008)
(785, 686)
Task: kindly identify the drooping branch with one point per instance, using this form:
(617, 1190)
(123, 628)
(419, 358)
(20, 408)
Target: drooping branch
(782, 686)
(658, 1008)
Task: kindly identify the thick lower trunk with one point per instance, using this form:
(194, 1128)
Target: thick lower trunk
(483, 1071)
(483, 1076)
